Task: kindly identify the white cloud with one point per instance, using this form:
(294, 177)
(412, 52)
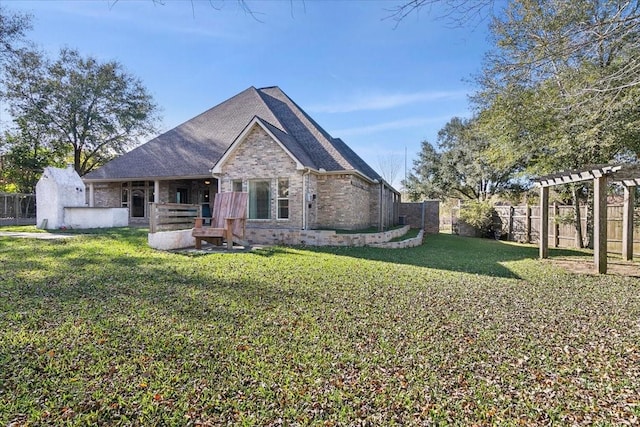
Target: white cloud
(385, 101)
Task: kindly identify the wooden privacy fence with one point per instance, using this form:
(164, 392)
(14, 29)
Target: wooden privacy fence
(17, 209)
(522, 224)
(172, 216)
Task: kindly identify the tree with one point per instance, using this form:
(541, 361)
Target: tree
(561, 87)
(389, 167)
(89, 110)
(423, 182)
(13, 27)
(457, 12)
(25, 159)
(460, 169)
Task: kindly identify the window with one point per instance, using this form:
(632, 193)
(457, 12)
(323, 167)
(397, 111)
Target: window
(182, 195)
(283, 198)
(259, 200)
(125, 195)
(236, 185)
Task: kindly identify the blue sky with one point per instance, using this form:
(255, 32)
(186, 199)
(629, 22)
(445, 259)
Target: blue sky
(382, 89)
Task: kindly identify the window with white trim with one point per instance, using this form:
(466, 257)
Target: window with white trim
(283, 198)
(236, 185)
(259, 199)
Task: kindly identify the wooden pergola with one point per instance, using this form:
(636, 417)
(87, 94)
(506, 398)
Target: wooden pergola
(626, 175)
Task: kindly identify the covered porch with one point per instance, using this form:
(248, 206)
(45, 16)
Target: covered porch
(138, 195)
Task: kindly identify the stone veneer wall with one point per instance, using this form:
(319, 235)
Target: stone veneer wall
(320, 237)
(107, 195)
(408, 243)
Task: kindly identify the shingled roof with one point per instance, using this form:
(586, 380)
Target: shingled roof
(192, 148)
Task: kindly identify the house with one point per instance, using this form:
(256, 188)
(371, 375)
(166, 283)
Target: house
(261, 142)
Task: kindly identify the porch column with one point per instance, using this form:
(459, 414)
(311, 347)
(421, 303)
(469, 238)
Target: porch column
(600, 223)
(156, 191)
(91, 195)
(544, 222)
(627, 223)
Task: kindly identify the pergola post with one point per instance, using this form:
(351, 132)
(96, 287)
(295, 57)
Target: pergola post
(544, 222)
(600, 223)
(627, 223)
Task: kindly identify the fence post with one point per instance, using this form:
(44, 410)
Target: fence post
(153, 217)
(510, 232)
(16, 207)
(527, 223)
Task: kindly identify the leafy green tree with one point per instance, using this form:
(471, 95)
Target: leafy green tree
(13, 27)
(459, 169)
(423, 181)
(25, 159)
(88, 110)
(564, 81)
(561, 88)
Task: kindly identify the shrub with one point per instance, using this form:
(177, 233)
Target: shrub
(481, 216)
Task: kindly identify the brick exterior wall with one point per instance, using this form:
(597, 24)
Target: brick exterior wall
(413, 215)
(107, 195)
(344, 202)
(259, 157)
(390, 205)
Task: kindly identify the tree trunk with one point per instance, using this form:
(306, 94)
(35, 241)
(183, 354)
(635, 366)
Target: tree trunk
(76, 161)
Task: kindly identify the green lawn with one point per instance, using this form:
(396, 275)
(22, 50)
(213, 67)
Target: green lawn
(100, 329)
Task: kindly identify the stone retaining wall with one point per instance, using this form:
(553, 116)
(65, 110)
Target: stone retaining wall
(408, 243)
(179, 239)
(319, 237)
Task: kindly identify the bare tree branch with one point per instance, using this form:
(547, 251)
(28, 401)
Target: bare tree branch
(457, 13)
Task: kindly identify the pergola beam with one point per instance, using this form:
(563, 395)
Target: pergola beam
(572, 176)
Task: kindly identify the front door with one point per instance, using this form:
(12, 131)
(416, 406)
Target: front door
(137, 203)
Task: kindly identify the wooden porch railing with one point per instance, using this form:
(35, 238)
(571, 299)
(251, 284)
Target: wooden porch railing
(172, 216)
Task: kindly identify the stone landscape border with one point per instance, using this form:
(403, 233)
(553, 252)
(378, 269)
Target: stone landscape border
(180, 239)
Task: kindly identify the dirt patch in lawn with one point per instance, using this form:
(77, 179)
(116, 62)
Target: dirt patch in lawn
(586, 266)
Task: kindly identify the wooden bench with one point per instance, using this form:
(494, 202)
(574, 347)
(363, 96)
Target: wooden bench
(228, 220)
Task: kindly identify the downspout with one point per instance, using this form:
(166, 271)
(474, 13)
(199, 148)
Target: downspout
(380, 224)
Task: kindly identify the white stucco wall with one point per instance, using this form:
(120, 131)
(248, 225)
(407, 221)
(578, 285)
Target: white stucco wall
(167, 240)
(57, 188)
(86, 217)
